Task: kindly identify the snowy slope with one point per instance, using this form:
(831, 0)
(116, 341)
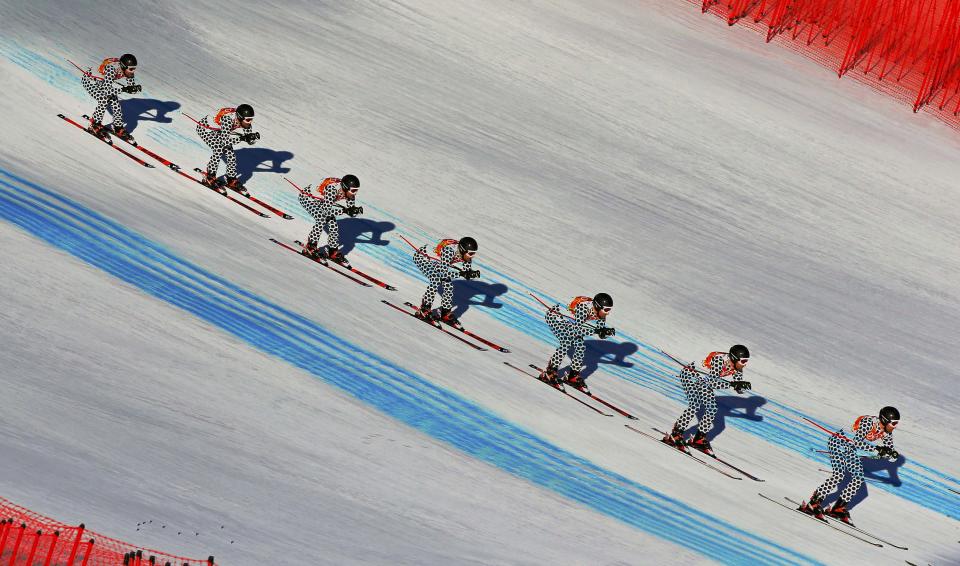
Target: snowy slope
(629, 147)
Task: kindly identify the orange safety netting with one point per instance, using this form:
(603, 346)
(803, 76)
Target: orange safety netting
(909, 49)
(30, 539)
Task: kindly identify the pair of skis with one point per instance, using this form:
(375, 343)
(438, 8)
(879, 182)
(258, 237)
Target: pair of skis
(563, 389)
(343, 270)
(449, 329)
(836, 524)
(727, 469)
(176, 169)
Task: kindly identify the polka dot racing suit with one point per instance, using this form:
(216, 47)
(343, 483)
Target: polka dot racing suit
(440, 271)
(106, 91)
(844, 457)
(322, 206)
(218, 137)
(699, 389)
(572, 332)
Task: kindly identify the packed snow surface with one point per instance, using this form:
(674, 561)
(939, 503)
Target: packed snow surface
(164, 362)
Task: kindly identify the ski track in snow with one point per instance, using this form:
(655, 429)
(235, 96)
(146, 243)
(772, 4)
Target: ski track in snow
(396, 391)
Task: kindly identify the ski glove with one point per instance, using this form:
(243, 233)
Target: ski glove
(604, 331)
(470, 273)
(250, 138)
(130, 89)
(739, 386)
(353, 211)
(888, 453)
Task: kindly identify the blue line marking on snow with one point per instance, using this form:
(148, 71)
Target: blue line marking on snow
(55, 73)
(396, 391)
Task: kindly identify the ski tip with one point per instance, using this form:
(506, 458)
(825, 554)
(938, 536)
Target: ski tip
(632, 418)
(287, 217)
(390, 288)
(505, 350)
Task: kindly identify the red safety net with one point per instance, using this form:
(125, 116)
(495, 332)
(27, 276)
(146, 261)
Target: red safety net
(909, 49)
(30, 539)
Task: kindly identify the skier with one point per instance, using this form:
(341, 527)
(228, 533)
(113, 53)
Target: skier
(106, 90)
(324, 209)
(219, 139)
(440, 272)
(572, 332)
(867, 429)
(699, 387)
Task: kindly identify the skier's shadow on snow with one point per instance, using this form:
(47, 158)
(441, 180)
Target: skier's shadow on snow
(598, 352)
(464, 292)
(136, 110)
(250, 159)
(734, 406)
(352, 228)
(872, 471)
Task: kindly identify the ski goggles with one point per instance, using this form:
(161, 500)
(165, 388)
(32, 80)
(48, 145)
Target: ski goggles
(469, 254)
(892, 423)
(131, 69)
(352, 190)
(741, 360)
(606, 309)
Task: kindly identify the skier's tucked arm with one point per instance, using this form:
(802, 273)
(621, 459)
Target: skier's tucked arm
(714, 379)
(114, 70)
(860, 441)
(447, 255)
(581, 315)
(330, 194)
(887, 441)
(227, 124)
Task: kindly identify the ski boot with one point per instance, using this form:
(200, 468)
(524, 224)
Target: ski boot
(701, 443)
(575, 380)
(234, 184)
(813, 507)
(210, 180)
(549, 375)
(425, 312)
(123, 134)
(98, 129)
(839, 511)
(336, 256)
(310, 250)
(675, 439)
(447, 317)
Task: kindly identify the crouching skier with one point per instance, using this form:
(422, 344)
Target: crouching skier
(844, 459)
(106, 90)
(571, 334)
(322, 204)
(440, 272)
(220, 138)
(699, 388)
